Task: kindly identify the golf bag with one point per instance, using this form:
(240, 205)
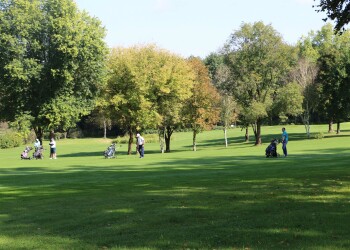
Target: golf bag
(110, 151)
(38, 154)
(271, 150)
(25, 153)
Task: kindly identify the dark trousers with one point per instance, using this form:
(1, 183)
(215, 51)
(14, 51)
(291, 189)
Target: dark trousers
(141, 150)
(284, 147)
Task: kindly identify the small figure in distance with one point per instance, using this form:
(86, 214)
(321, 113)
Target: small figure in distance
(141, 145)
(52, 149)
(284, 141)
(37, 144)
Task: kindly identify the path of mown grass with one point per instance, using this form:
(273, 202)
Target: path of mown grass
(215, 198)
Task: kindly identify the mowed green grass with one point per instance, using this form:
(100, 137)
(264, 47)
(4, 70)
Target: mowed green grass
(215, 198)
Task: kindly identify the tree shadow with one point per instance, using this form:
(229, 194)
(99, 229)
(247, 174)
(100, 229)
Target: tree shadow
(83, 154)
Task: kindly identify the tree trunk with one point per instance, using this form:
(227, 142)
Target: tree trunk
(161, 134)
(306, 119)
(104, 129)
(131, 139)
(338, 128)
(225, 133)
(194, 146)
(39, 134)
(169, 132)
(246, 134)
(330, 126)
(257, 132)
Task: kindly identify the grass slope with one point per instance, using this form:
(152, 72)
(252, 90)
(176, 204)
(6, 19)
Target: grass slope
(215, 198)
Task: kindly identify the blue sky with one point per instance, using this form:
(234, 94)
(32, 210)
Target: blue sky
(198, 27)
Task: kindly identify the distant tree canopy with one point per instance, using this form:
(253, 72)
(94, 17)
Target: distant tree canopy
(337, 10)
(51, 62)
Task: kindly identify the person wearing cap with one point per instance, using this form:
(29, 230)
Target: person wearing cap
(141, 145)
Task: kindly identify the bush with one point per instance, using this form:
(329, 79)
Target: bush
(30, 137)
(121, 139)
(149, 138)
(10, 140)
(318, 135)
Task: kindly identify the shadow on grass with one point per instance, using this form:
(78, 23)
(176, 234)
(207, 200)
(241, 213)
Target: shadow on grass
(197, 203)
(266, 139)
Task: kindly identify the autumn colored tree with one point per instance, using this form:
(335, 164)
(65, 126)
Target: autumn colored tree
(127, 91)
(202, 108)
(171, 87)
(147, 87)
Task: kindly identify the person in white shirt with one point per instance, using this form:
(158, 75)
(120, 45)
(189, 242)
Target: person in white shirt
(52, 149)
(141, 145)
(37, 144)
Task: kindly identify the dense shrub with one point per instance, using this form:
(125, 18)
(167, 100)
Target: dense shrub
(10, 140)
(318, 135)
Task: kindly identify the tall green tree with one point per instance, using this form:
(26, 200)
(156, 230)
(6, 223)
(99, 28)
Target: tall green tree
(288, 100)
(51, 62)
(220, 74)
(259, 61)
(310, 48)
(331, 52)
(334, 83)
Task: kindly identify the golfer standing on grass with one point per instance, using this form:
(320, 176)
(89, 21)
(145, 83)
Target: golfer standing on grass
(141, 145)
(284, 141)
(52, 149)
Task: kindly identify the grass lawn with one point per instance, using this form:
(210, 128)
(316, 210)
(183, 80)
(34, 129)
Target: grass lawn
(215, 198)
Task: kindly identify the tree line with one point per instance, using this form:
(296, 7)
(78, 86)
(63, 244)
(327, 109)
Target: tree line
(55, 68)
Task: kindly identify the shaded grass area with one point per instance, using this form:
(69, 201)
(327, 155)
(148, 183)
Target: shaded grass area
(216, 198)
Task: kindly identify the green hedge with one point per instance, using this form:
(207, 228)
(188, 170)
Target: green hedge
(10, 140)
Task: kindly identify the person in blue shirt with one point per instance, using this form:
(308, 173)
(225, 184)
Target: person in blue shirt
(284, 141)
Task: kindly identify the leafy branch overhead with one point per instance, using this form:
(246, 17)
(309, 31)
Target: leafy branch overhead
(336, 10)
